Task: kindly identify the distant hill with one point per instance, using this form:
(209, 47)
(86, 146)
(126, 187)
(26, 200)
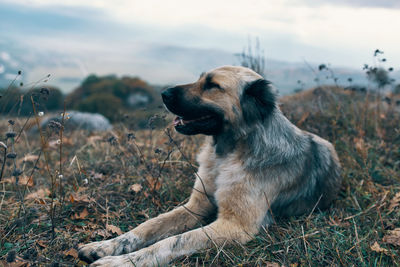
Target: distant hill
(286, 76)
(162, 65)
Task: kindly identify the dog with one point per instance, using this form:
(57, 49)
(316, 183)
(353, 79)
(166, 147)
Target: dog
(254, 165)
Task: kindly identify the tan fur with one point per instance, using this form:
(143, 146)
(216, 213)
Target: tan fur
(242, 196)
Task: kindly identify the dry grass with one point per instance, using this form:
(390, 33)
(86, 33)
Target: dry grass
(113, 181)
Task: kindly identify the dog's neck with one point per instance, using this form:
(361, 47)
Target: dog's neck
(225, 142)
(274, 142)
(271, 142)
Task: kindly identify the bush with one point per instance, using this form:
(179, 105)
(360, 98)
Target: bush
(396, 89)
(104, 103)
(15, 101)
(113, 96)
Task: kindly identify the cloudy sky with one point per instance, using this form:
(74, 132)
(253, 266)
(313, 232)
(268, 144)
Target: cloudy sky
(172, 41)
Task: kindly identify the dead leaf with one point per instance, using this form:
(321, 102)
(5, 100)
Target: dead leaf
(143, 213)
(395, 202)
(136, 188)
(40, 194)
(336, 221)
(377, 248)
(8, 180)
(41, 243)
(72, 252)
(393, 237)
(95, 138)
(3, 145)
(22, 180)
(79, 197)
(101, 232)
(153, 183)
(29, 158)
(272, 264)
(25, 180)
(54, 144)
(303, 118)
(114, 229)
(82, 215)
(97, 175)
(360, 145)
(19, 262)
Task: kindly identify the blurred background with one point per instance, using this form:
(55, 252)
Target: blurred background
(168, 42)
(82, 47)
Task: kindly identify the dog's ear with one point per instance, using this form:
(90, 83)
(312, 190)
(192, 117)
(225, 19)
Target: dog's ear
(258, 101)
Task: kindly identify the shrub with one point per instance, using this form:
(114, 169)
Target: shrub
(396, 89)
(113, 96)
(16, 101)
(104, 103)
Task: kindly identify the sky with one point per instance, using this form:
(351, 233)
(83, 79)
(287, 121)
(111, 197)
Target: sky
(168, 42)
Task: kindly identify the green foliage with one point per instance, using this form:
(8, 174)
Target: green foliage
(16, 101)
(113, 96)
(102, 103)
(396, 89)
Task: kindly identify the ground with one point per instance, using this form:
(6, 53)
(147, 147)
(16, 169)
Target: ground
(85, 187)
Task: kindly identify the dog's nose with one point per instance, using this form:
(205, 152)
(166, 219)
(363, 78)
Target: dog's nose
(171, 94)
(167, 95)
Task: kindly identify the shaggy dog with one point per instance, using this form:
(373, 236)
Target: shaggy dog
(253, 165)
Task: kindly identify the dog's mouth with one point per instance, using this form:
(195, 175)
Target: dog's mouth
(182, 121)
(208, 124)
(193, 116)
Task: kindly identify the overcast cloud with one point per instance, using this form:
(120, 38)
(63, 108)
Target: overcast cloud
(72, 38)
(359, 3)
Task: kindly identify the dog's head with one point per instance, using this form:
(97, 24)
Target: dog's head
(220, 99)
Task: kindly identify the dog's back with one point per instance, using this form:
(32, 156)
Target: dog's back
(318, 183)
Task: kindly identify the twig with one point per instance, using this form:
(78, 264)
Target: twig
(269, 208)
(312, 70)
(161, 169)
(292, 239)
(60, 171)
(190, 164)
(304, 241)
(316, 204)
(360, 213)
(46, 157)
(358, 242)
(4, 146)
(8, 88)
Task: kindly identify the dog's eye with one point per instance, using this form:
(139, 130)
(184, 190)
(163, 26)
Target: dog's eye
(211, 85)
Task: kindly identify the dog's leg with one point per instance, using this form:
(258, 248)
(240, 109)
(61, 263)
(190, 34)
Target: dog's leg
(164, 251)
(171, 223)
(238, 221)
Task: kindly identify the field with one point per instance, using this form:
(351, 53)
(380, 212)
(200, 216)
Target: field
(64, 188)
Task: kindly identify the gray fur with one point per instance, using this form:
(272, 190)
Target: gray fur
(276, 146)
(254, 165)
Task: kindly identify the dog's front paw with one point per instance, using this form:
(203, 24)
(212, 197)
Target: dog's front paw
(96, 250)
(134, 259)
(110, 261)
(117, 261)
